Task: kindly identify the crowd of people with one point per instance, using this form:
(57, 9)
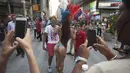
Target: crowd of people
(56, 36)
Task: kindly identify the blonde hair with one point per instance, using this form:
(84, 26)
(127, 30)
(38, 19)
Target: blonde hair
(53, 18)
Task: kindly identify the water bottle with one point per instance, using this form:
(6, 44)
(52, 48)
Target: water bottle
(84, 68)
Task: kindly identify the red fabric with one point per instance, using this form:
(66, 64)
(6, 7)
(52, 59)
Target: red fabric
(80, 39)
(73, 8)
(38, 26)
(77, 13)
(50, 48)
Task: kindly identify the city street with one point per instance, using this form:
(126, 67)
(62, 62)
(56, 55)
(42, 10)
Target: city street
(17, 64)
(59, 21)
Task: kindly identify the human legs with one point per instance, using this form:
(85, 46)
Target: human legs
(39, 36)
(122, 46)
(18, 51)
(61, 62)
(34, 33)
(60, 56)
(50, 60)
(50, 54)
(57, 58)
(22, 52)
(97, 31)
(71, 46)
(100, 32)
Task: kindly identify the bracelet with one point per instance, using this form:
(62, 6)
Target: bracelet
(113, 57)
(80, 59)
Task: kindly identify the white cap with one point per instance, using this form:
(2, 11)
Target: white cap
(84, 67)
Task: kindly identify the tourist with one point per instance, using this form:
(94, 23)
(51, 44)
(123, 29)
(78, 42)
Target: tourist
(51, 32)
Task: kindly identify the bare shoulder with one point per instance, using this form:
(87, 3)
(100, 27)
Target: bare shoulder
(57, 26)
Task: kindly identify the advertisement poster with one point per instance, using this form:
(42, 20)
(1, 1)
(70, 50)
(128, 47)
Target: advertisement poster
(93, 6)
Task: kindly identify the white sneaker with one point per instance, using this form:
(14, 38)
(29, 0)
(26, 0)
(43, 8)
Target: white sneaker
(49, 69)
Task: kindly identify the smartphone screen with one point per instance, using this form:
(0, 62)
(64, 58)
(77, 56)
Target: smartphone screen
(91, 35)
(20, 27)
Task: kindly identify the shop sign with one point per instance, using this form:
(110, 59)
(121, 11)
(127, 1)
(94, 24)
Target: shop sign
(35, 7)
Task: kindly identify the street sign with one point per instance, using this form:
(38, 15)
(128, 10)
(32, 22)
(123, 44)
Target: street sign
(35, 7)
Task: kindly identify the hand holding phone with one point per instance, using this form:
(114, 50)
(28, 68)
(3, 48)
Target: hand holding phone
(91, 35)
(20, 27)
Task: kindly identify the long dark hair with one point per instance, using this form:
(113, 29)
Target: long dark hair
(65, 32)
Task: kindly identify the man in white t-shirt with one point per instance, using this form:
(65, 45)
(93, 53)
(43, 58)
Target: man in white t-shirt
(51, 32)
(11, 24)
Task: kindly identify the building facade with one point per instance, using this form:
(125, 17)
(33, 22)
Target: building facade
(15, 7)
(60, 4)
(4, 7)
(41, 9)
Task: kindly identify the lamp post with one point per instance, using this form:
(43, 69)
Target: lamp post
(24, 7)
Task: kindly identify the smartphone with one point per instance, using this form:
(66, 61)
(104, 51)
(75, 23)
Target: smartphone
(91, 36)
(20, 27)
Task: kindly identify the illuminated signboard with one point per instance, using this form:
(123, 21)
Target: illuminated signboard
(109, 4)
(93, 6)
(111, 0)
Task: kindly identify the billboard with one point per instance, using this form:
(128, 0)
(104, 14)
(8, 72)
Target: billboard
(109, 4)
(93, 6)
(111, 0)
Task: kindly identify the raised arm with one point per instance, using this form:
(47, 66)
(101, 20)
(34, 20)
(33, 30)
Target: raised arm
(83, 52)
(7, 50)
(3, 64)
(59, 33)
(26, 44)
(73, 33)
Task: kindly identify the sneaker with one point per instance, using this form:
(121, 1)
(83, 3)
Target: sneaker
(49, 69)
